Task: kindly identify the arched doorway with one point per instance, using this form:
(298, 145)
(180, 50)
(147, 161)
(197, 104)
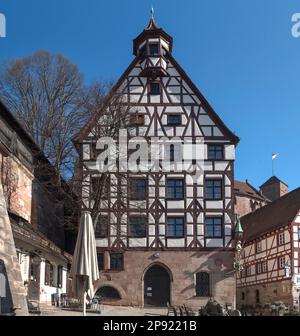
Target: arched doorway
(156, 287)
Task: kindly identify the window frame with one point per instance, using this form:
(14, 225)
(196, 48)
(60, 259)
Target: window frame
(207, 290)
(175, 225)
(213, 225)
(169, 198)
(281, 238)
(130, 225)
(110, 261)
(213, 180)
(156, 44)
(174, 124)
(49, 274)
(258, 247)
(99, 236)
(156, 93)
(137, 120)
(59, 276)
(106, 187)
(280, 265)
(215, 158)
(132, 194)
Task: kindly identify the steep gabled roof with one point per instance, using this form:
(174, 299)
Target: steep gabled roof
(210, 111)
(272, 216)
(272, 180)
(248, 190)
(87, 128)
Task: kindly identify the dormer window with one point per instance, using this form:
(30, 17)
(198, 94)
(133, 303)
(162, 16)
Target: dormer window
(154, 88)
(153, 49)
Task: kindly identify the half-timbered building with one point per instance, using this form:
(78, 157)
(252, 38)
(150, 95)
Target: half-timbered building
(270, 254)
(170, 242)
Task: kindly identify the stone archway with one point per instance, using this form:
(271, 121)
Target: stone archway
(110, 292)
(157, 286)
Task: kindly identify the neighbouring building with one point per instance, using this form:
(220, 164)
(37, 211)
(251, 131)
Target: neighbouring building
(33, 210)
(247, 198)
(271, 254)
(161, 237)
(274, 188)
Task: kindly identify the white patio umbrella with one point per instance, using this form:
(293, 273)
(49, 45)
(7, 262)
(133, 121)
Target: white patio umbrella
(84, 266)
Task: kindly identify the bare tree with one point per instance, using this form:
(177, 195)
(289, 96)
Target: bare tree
(9, 179)
(45, 92)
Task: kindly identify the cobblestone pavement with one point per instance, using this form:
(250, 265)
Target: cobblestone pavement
(105, 311)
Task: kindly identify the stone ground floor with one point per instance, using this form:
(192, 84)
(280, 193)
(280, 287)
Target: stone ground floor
(269, 293)
(150, 278)
(106, 310)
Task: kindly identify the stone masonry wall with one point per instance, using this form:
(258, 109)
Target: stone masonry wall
(16, 294)
(182, 267)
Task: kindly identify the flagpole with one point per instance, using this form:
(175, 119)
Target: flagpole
(273, 167)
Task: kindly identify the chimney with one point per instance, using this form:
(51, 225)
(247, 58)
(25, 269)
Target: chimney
(274, 188)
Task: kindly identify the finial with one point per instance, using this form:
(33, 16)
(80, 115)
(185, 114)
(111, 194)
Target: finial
(152, 12)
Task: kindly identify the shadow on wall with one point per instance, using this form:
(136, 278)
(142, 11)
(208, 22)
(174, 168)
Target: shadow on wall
(6, 304)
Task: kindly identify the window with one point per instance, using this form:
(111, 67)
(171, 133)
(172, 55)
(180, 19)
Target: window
(49, 270)
(248, 271)
(299, 233)
(243, 296)
(215, 152)
(137, 226)
(116, 262)
(154, 88)
(100, 259)
(137, 120)
(202, 284)
(174, 119)
(101, 226)
(258, 247)
(281, 238)
(257, 297)
(175, 227)
(213, 227)
(154, 49)
(59, 276)
(281, 262)
(258, 268)
(174, 152)
(175, 189)
(213, 189)
(138, 189)
(100, 187)
(262, 267)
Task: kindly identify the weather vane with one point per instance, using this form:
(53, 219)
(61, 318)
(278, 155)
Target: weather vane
(152, 12)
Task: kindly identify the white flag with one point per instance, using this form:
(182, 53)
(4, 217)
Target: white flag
(274, 156)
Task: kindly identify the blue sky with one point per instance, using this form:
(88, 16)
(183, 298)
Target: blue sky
(241, 55)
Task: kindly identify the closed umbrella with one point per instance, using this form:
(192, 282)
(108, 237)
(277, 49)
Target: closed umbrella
(85, 267)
